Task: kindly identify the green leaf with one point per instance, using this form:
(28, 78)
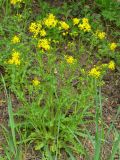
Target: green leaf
(39, 145)
(115, 148)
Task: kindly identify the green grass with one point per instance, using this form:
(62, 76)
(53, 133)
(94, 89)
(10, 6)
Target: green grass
(11, 148)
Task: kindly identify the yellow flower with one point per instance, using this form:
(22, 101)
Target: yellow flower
(111, 65)
(81, 26)
(15, 40)
(15, 59)
(112, 46)
(44, 44)
(69, 59)
(50, 21)
(15, 1)
(35, 28)
(32, 27)
(64, 25)
(35, 82)
(94, 73)
(43, 33)
(75, 21)
(100, 35)
(85, 20)
(85, 26)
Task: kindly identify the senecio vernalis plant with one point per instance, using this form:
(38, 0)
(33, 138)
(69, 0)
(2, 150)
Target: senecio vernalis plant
(41, 29)
(45, 72)
(14, 2)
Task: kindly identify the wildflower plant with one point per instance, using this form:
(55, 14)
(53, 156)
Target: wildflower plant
(15, 59)
(15, 40)
(14, 2)
(48, 61)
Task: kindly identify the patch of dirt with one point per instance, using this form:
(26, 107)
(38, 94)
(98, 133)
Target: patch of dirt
(111, 92)
(3, 118)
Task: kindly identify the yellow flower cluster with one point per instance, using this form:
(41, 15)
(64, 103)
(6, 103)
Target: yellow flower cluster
(85, 26)
(64, 25)
(42, 33)
(15, 59)
(15, 40)
(112, 46)
(33, 27)
(94, 72)
(69, 59)
(44, 44)
(15, 1)
(36, 28)
(76, 21)
(50, 21)
(111, 65)
(35, 82)
(100, 35)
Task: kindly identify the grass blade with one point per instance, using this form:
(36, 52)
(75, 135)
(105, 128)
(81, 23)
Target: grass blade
(115, 148)
(10, 113)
